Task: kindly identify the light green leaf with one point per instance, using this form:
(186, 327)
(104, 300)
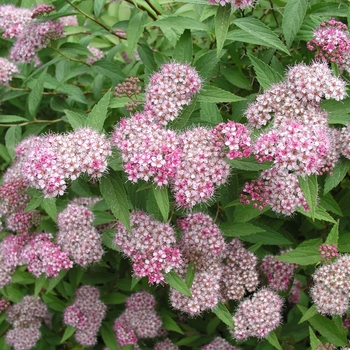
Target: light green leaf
(177, 283)
(56, 280)
(309, 313)
(210, 113)
(238, 229)
(222, 22)
(69, 331)
(249, 164)
(22, 277)
(305, 254)
(114, 193)
(35, 96)
(269, 237)
(135, 29)
(72, 92)
(263, 34)
(98, 6)
(188, 340)
(333, 235)
(329, 9)
(12, 119)
(236, 77)
(183, 49)
(73, 49)
(190, 274)
(178, 22)
(205, 63)
(180, 122)
(76, 119)
(214, 94)
(320, 214)
(12, 137)
(265, 75)
(293, 18)
(273, 340)
(98, 115)
(314, 342)
(34, 203)
(162, 198)
(49, 205)
(338, 174)
(108, 336)
(245, 213)
(308, 185)
(147, 57)
(221, 311)
(170, 324)
(329, 203)
(108, 69)
(108, 237)
(39, 284)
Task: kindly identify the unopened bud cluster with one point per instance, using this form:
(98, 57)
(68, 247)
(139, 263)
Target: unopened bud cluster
(96, 54)
(328, 252)
(130, 89)
(86, 315)
(25, 318)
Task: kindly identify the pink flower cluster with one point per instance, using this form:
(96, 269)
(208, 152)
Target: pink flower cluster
(328, 252)
(77, 237)
(294, 294)
(4, 305)
(13, 20)
(331, 289)
(219, 344)
(331, 43)
(257, 316)
(239, 272)
(150, 246)
(279, 274)
(166, 345)
(48, 161)
(344, 141)
(86, 314)
(69, 21)
(138, 321)
(7, 70)
(44, 257)
(42, 10)
(25, 318)
(96, 54)
(237, 4)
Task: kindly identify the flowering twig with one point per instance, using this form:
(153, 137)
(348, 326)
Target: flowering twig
(70, 58)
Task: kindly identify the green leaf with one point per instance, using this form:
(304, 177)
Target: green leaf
(183, 49)
(249, 164)
(76, 119)
(236, 77)
(273, 340)
(344, 243)
(81, 188)
(266, 75)
(338, 174)
(262, 33)
(190, 274)
(72, 92)
(333, 235)
(13, 293)
(170, 324)
(162, 198)
(22, 277)
(269, 237)
(98, 115)
(221, 311)
(35, 96)
(180, 122)
(49, 205)
(72, 49)
(320, 214)
(206, 63)
(214, 94)
(188, 340)
(114, 193)
(178, 22)
(54, 281)
(134, 281)
(12, 119)
(314, 342)
(238, 229)
(245, 213)
(294, 14)
(177, 283)
(255, 246)
(305, 254)
(135, 29)
(327, 328)
(329, 203)
(34, 203)
(12, 137)
(39, 284)
(114, 298)
(98, 6)
(69, 331)
(222, 22)
(147, 57)
(108, 237)
(329, 9)
(108, 336)
(309, 313)
(210, 113)
(108, 69)
(308, 185)
(102, 217)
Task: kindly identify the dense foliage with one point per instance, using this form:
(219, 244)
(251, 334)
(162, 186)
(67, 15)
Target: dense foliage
(174, 174)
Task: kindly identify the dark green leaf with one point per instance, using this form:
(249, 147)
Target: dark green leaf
(108, 336)
(12, 119)
(69, 331)
(245, 213)
(205, 63)
(98, 115)
(214, 94)
(236, 77)
(308, 185)
(12, 137)
(221, 311)
(34, 203)
(309, 313)
(180, 122)
(170, 324)
(329, 203)
(344, 243)
(135, 29)
(210, 113)
(108, 237)
(333, 235)
(39, 284)
(338, 174)
(188, 340)
(55, 280)
(114, 194)
(183, 49)
(114, 298)
(273, 340)
(22, 277)
(177, 283)
(72, 92)
(222, 22)
(49, 205)
(238, 229)
(190, 274)
(36, 95)
(72, 49)
(320, 214)
(162, 198)
(108, 69)
(147, 57)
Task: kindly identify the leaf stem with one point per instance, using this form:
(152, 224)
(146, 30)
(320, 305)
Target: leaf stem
(35, 121)
(70, 58)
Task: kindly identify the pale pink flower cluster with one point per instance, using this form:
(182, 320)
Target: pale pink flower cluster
(96, 54)
(327, 346)
(47, 162)
(77, 237)
(7, 70)
(344, 141)
(203, 245)
(69, 21)
(44, 257)
(258, 316)
(331, 289)
(13, 20)
(279, 274)
(166, 345)
(138, 321)
(236, 4)
(328, 252)
(25, 318)
(239, 272)
(294, 293)
(331, 43)
(150, 245)
(219, 344)
(169, 90)
(86, 315)
(22, 222)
